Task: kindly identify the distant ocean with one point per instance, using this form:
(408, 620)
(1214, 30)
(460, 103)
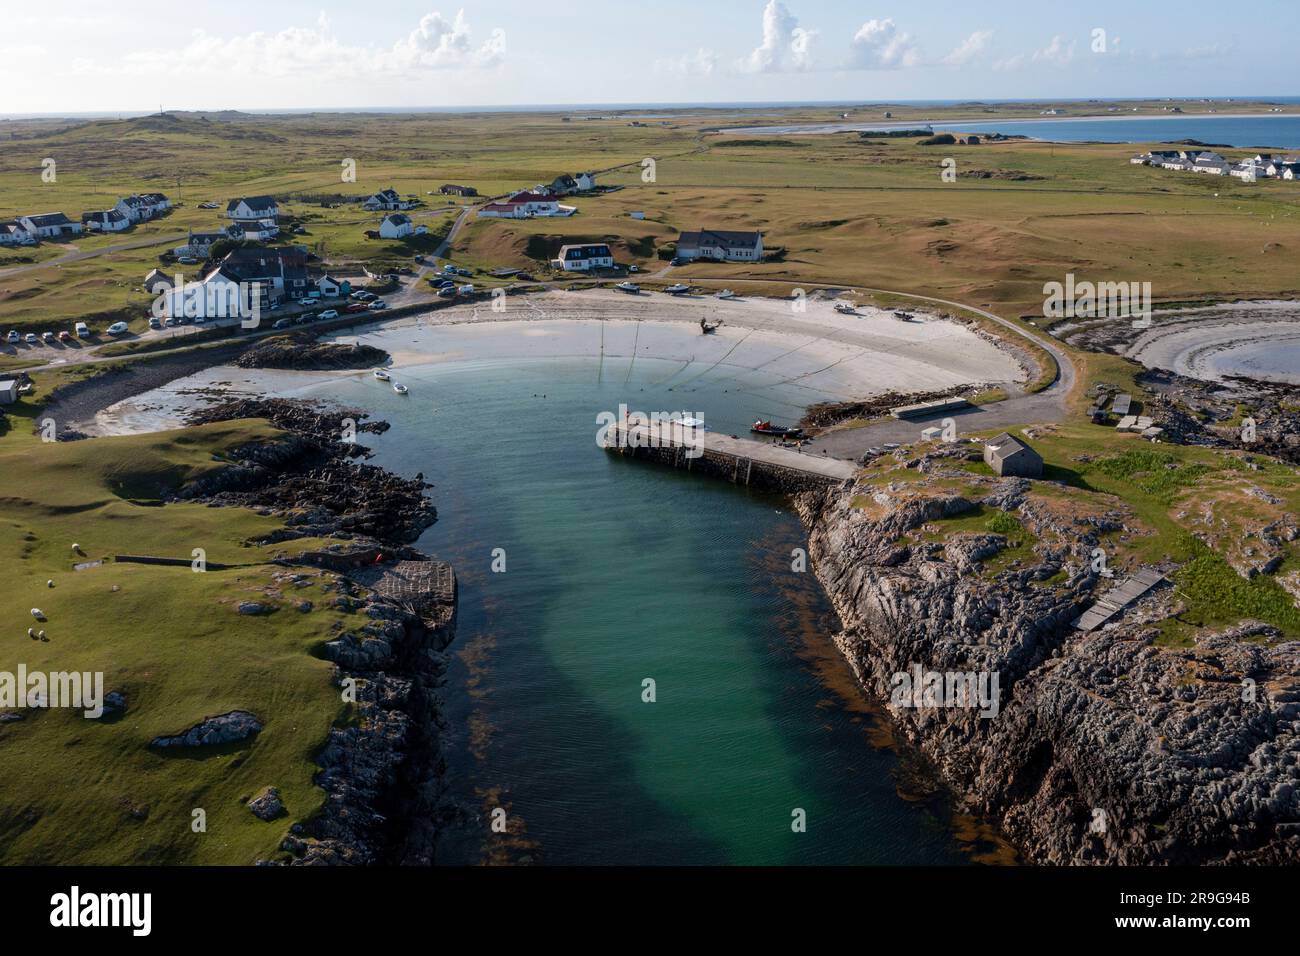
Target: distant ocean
(1279, 131)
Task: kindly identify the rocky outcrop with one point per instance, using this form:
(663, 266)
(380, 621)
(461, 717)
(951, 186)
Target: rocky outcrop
(309, 476)
(267, 804)
(302, 352)
(1104, 747)
(233, 727)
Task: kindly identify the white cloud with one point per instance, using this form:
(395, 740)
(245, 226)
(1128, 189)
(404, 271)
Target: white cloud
(436, 43)
(880, 45)
(1055, 52)
(703, 62)
(971, 48)
(786, 45)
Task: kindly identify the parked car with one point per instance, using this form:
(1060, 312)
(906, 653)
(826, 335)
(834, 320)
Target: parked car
(448, 291)
(633, 268)
(64, 336)
(304, 318)
(155, 322)
(188, 261)
(359, 295)
(47, 336)
(82, 330)
(329, 314)
(282, 323)
(173, 321)
(31, 338)
(466, 290)
(356, 307)
(377, 305)
(199, 319)
(464, 272)
(117, 328)
(13, 338)
(446, 284)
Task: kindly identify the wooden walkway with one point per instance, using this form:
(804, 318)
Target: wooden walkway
(1114, 601)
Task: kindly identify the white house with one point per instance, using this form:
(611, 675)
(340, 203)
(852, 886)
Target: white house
(526, 205)
(386, 199)
(586, 181)
(50, 225)
(396, 226)
(110, 220)
(722, 245)
(1210, 166)
(13, 233)
(262, 230)
(330, 287)
(252, 209)
(584, 258)
(143, 206)
(199, 244)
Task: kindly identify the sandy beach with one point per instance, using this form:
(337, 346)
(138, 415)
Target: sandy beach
(825, 355)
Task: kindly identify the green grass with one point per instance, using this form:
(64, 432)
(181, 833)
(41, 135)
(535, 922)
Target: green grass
(80, 791)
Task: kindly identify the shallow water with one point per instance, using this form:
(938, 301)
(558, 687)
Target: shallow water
(617, 572)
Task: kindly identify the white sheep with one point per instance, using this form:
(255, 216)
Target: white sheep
(38, 614)
(31, 632)
(49, 583)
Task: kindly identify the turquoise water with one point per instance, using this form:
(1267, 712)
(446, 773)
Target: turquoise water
(618, 571)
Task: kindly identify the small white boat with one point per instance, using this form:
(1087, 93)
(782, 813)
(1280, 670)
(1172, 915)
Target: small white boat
(845, 309)
(726, 294)
(692, 422)
(678, 288)
(628, 287)
(399, 388)
(381, 375)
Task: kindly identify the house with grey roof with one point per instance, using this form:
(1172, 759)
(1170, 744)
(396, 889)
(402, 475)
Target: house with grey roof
(721, 245)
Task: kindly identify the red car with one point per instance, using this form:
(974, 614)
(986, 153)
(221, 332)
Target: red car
(356, 307)
(64, 336)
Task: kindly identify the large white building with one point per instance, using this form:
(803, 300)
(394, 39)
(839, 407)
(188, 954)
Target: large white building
(50, 225)
(252, 209)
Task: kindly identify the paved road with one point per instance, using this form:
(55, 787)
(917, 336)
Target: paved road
(76, 255)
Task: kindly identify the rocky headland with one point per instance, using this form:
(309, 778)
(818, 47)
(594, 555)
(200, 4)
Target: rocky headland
(382, 772)
(1105, 746)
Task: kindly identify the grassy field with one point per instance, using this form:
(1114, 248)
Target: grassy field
(92, 792)
(846, 210)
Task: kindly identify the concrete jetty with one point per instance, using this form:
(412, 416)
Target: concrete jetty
(741, 461)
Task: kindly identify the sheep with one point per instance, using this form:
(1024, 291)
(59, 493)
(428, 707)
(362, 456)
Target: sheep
(49, 583)
(38, 614)
(31, 632)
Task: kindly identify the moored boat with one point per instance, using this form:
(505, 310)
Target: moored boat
(399, 388)
(381, 375)
(775, 431)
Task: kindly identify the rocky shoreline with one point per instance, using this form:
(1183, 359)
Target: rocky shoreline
(382, 772)
(1103, 747)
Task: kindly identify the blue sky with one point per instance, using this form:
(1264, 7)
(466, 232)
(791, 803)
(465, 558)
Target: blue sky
(255, 54)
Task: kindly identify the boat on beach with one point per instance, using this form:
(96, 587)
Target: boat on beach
(726, 294)
(630, 287)
(381, 375)
(678, 288)
(845, 309)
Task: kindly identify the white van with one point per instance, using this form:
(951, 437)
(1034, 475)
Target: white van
(82, 330)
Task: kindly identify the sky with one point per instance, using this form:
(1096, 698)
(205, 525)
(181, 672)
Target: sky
(142, 55)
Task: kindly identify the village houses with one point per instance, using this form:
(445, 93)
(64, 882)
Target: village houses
(386, 199)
